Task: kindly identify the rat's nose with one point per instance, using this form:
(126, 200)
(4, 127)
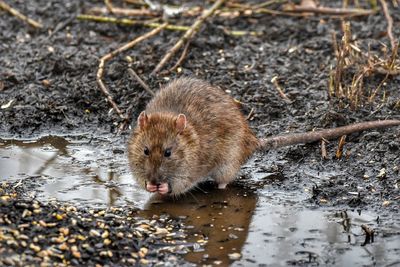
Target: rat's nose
(156, 180)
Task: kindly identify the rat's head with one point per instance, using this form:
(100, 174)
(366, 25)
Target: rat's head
(160, 152)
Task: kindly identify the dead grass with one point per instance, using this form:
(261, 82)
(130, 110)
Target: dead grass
(349, 78)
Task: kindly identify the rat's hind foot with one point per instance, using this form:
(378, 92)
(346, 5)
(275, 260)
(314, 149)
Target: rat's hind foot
(222, 185)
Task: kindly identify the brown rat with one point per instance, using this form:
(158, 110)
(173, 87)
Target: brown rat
(191, 130)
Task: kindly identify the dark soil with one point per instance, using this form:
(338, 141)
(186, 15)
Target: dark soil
(49, 75)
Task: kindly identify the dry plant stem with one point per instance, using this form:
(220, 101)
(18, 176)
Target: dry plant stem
(339, 151)
(324, 154)
(329, 10)
(274, 81)
(251, 114)
(109, 56)
(267, 3)
(122, 11)
(389, 20)
(276, 12)
(109, 6)
(135, 2)
(19, 15)
(181, 58)
(188, 34)
(368, 232)
(391, 64)
(139, 80)
(129, 22)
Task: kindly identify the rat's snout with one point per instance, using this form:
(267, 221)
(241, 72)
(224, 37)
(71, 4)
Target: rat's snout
(156, 179)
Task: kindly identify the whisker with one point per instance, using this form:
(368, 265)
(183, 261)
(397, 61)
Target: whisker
(201, 189)
(198, 202)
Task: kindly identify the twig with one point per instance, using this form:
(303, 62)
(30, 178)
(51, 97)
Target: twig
(188, 34)
(390, 66)
(324, 154)
(135, 2)
(267, 3)
(109, 6)
(181, 58)
(109, 56)
(19, 15)
(328, 10)
(276, 12)
(139, 80)
(122, 11)
(250, 115)
(369, 234)
(274, 81)
(339, 151)
(389, 20)
(62, 25)
(130, 22)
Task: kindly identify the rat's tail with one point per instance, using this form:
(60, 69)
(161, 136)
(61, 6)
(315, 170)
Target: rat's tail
(308, 137)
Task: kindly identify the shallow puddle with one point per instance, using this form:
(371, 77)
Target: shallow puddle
(241, 227)
(71, 168)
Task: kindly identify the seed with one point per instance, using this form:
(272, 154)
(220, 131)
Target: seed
(63, 246)
(94, 233)
(37, 211)
(120, 234)
(101, 213)
(144, 261)
(24, 237)
(234, 256)
(142, 252)
(81, 237)
(43, 253)
(105, 234)
(64, 231)
(5, 198)
(76, 254)
(26, 213)
(34, 247)
(161, 231)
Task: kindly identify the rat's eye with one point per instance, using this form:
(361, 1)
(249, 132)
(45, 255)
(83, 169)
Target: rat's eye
(146, 151)
(167, 152)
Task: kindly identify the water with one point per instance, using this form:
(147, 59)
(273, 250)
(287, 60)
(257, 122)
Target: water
(81, 170)
(268, 226)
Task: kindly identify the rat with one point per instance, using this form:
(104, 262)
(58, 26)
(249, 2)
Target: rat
(191, 131)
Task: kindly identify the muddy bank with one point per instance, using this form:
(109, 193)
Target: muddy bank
(315, 222)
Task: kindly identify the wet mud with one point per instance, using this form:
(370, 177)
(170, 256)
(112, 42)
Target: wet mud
(59, 152)
(260, 219)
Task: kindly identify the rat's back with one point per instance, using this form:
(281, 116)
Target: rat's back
(214, 115)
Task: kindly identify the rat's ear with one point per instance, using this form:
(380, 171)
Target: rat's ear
(142, 120)
(181, 122)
